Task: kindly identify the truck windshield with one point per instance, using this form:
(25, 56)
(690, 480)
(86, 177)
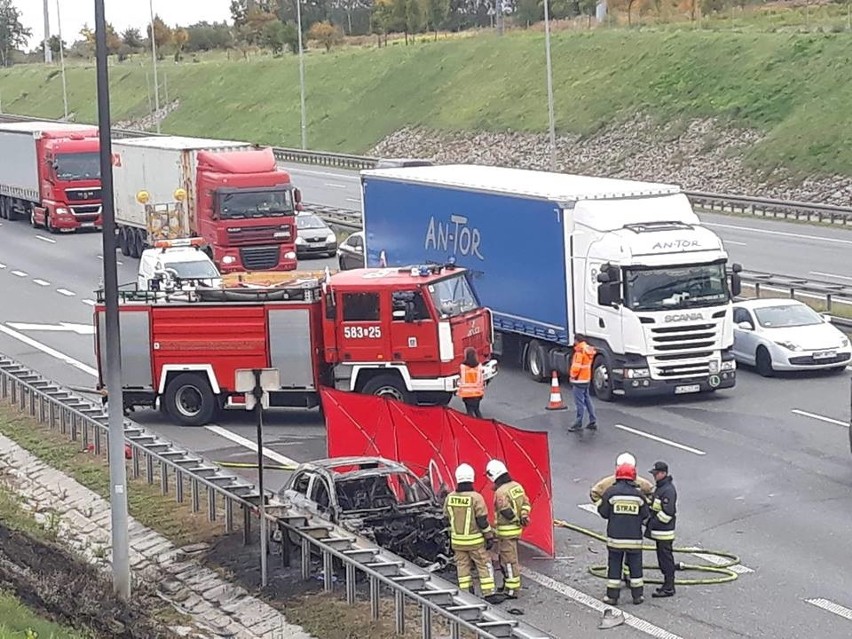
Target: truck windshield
(453, 296)
(676, 287)
(243, 204)
(78, 166)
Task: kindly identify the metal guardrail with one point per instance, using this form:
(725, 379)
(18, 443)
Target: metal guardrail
(87, 422)
(830, 294)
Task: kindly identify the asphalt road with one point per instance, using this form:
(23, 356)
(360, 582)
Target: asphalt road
(763, 471)
(759, 245)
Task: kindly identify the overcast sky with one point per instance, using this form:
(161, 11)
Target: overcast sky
(121, 13)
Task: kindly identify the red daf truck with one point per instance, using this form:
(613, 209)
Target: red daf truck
(231, 194)
(50, 174)
(399, 332)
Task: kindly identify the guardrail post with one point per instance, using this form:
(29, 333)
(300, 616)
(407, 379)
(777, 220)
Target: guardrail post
(97, 438)
(22, 397)
(229, 516)
(179, 486)
(327, 571)
(426, 625)
(75, 433)
(306, 559)
(455, 632)
(14, 394)
(757, 289)
(350, 583)
(164, 478)
(32, 403)
(211, 504)
(828, 302)
(286, 545)
(374, 598)
(246, 525)
(195, 495)
(149, 468)
(399, 611)
(41, 411)
(51, 412)
(63, 420)
(137, 472)
(4, 387)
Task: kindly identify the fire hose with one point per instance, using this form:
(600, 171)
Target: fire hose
(722, 569)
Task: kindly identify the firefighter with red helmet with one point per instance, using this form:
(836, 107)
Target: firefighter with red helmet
(625, 508)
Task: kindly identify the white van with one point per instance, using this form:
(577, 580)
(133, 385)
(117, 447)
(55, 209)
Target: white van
(161, 267)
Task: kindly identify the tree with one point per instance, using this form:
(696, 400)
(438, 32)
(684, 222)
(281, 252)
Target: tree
(588, 8)
(133, 39)
(436, 14)
(113, 42)
(326, 34)
(255, 24)
(180, 37)
(206, 37)
(13, 34)
(56, 45)
(162, 35)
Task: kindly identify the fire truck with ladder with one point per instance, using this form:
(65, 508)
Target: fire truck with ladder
(395, 332)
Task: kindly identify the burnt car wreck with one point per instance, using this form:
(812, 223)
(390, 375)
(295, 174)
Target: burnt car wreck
(380, 499)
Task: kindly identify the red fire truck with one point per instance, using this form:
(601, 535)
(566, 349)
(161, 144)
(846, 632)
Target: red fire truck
(397, 332)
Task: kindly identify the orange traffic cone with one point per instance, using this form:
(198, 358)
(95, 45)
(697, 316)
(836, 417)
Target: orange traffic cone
(555, 394)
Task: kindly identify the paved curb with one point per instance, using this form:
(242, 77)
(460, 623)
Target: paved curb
(81, 519)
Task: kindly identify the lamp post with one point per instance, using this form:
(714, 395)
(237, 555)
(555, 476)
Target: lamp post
(304, 124)
(551, 122)
(154, 58)
(62, 60)
(115, 405)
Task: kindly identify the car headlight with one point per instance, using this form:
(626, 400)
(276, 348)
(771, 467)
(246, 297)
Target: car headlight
(636, 373)
(729, 365)
(229, 259)
(330, 238)
(790, 346)
(300, 240)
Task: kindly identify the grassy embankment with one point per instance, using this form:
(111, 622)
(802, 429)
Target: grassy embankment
(794, 86)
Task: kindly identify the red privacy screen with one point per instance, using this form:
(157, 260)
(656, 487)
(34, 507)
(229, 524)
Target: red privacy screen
(433, 441)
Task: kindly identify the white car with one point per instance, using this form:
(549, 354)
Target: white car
(785, 335)
(173, 260)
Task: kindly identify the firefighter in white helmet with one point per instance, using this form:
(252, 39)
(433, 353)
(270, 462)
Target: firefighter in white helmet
(624, 459)
(471, 535)
(511, 514)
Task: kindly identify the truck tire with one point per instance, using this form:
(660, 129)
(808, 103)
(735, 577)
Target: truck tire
(189, 400)
(602, 379)
(48, 224)
(434, 398)
(390, 386)
(122, 241)
(536, 361)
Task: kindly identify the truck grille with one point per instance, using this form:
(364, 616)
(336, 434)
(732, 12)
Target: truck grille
(259, 258)
(83, 195)
(255, 235)
(86, 213)
(682, 351)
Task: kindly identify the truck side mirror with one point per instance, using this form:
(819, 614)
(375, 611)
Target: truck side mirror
(330, 307)
(736, 280)
(297, 196)
(609, 294)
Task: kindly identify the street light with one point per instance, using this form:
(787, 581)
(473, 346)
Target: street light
(154, 57)
(551, 121)
(301, 75)
(62, 60)
(115, 405)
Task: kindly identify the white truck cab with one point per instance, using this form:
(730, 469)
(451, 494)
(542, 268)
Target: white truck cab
(177, 263)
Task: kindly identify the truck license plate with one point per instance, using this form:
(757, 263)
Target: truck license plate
(87, 225)
(692, 388)
(824, 354)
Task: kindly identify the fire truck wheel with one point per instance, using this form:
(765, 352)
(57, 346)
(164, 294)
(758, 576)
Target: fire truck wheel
(390, 386)
(190, 400)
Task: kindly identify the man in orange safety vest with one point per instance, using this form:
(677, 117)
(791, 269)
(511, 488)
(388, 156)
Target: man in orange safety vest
(581, 378)
(471, 383)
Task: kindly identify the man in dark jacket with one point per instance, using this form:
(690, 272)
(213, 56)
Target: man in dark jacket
(661, 526)
(625, 508)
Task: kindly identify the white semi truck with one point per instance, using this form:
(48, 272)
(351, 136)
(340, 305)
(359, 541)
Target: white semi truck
(627, 264)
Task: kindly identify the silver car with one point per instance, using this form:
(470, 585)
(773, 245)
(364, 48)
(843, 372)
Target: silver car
(314, 237)
(783, 334)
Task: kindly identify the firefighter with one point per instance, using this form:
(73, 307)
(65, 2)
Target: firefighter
(625, 509)
(471, 383)
(512, 514)
(598, 489)
(471, 536)
(661, 526)
(581, 378)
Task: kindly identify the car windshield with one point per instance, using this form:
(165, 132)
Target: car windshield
(78, 166)
(676, 287)
(380, 491)
(194, 270)
(309, 222)
(787, 316)
(243, 204)
(453, 296)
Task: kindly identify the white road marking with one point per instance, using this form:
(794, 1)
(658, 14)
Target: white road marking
(734, 243)
(48, 350)
(65, 292)
(718, 561)
(336, 186)
(89, 302)
(41, 282)
(341, 176)
(19, 273)
(252, 446)
(599, 606)
(353, 199)
(2, 266)
(589, 508)
(821, 418)
(830, 606)
(797, 236)
(49, 240)
(839, 277)
(662, 440)
(80, 329)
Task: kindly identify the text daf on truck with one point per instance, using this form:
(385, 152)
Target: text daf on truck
(400, 333)
(627, 264)
(231, 194)
(50, 174)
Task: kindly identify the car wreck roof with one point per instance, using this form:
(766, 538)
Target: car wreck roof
(332, 462)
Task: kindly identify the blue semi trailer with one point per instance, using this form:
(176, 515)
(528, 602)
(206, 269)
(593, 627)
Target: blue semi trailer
(627, 264)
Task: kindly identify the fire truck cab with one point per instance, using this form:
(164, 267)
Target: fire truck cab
(394, 332)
